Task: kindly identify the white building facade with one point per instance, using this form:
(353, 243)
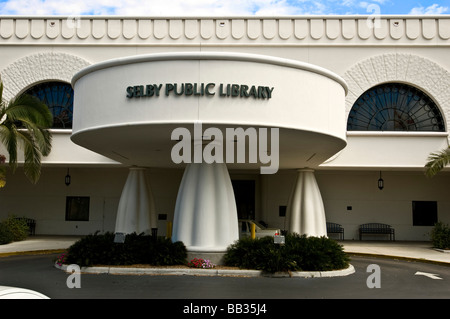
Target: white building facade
(356, 100)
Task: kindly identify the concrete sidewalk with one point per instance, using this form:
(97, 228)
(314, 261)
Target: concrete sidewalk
(39, 243)
(402, 249)
(422, 251)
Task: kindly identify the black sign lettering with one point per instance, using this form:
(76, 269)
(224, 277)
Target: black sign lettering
(200, 89)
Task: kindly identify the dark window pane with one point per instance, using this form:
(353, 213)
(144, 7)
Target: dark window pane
(424, 213)
(77, 208)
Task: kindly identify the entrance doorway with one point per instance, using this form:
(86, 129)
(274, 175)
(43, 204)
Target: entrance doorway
(244, 194)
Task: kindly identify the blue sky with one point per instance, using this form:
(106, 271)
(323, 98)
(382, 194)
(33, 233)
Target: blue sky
(221, 7)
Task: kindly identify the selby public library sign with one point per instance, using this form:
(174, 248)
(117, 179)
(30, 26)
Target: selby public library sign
(200, 89)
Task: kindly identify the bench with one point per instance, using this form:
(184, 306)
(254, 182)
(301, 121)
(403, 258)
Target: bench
(333, 228)
(31, 223)
(376, 229)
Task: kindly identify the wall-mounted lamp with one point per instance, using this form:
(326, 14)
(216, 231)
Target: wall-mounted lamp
(380, 183)
(67, 179)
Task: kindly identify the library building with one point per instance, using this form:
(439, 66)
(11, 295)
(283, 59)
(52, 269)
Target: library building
(195, 128)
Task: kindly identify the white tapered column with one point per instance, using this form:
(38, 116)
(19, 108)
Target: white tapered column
(305, 210)
(205, 218)
(136, 211)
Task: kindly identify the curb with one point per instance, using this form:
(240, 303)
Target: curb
(312, 274)
(33, 252)
(210, 272)
(324, 274)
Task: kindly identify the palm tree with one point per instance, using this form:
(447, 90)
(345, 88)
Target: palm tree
(24, 123)
(437, 161)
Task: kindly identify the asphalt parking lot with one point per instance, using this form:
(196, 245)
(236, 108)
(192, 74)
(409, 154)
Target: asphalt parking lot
(391, 279)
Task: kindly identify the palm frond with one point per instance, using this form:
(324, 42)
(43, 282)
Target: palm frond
(27, 108)
(2, 171)
(436, 162)
(24, 122)
(1, 91)
(2, 102)
(41, 137)
(44, 141)
(8, 137)
(32, 165)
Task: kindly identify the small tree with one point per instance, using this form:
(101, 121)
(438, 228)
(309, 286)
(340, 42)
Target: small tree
(24, 122)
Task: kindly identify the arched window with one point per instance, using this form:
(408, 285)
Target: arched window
(395, 107)
(58, 96)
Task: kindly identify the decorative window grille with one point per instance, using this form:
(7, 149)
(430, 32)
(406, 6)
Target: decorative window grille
(58, 96)
(395, 107)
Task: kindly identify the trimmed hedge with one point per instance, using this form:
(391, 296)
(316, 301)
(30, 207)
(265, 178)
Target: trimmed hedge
(440, 236)
(12, 229)
(97, 249)
(299, 253)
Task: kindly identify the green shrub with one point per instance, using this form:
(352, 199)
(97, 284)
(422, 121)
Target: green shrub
(299, 253)
(440, 236)
(98, 249)
(5, 235)
(12, 229)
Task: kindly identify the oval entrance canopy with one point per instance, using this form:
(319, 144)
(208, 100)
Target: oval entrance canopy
(141, 110)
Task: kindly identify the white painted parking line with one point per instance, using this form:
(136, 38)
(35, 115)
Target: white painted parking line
(432, 276)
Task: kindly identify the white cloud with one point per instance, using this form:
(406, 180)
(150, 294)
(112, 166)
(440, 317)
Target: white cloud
(171, 7)
(50, 7)
(148, 7)
(363, 4)
(208, 7)
(433, 9)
